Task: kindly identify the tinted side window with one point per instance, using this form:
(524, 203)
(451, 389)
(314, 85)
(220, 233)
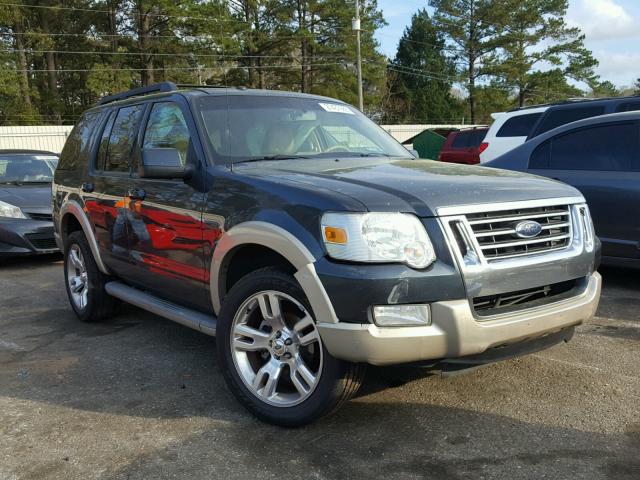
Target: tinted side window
(540, 156)
(519, 126)
(562, 116)
(167, 128)
(603, 148)
(77, 145)
(104, 142)
(122, 138)
(461, 140)
(628, 107)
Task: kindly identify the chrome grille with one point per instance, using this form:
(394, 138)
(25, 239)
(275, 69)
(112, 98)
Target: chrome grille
(495, 232)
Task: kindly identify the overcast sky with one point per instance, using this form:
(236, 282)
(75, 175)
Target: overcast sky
(612, 29)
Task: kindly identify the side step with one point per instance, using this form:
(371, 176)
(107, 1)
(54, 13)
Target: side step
(184, 316)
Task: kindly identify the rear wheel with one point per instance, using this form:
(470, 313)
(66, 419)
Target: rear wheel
(272, 354)
(84, 281)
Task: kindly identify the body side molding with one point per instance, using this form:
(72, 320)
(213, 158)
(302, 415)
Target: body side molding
(284, 243)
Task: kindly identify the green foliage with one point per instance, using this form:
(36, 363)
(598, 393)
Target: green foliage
(604, 89)
(88, 48)
(537, 35)
(417, 93)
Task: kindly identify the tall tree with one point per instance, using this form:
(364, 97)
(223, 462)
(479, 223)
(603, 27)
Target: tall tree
(424, 75)
(475, 28)
(535, 34)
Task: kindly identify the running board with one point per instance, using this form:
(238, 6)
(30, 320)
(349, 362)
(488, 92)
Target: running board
(184, 316)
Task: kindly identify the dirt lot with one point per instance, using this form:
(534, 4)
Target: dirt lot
(140, 398)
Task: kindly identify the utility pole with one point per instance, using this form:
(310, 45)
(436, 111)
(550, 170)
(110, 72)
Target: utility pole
(355, 25)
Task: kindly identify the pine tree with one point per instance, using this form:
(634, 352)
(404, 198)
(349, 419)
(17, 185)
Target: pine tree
(424, 75)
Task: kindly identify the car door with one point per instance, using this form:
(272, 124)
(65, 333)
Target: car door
(107, 182)
(603, 162)
(165, 234)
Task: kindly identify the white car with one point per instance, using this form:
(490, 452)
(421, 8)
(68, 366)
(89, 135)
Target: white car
(509, 130)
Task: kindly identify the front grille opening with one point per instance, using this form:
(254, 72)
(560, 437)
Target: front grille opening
(496, 233)
(40, 216)
(522, 299)
(42, 241)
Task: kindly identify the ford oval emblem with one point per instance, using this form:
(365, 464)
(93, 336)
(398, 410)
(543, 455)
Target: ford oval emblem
(528, 229)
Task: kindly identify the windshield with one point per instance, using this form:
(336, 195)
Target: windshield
(277, 127)
(21, 168)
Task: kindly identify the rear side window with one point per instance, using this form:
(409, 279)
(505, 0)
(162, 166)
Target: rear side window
(77, 146)
(628, 107)
(122, 138)
(167, 128)
(562, 116)
(469, 139)
(519, 126)
(461, 140)
(603, 148)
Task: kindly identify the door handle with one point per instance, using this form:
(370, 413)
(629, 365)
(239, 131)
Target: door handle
(87, 187)
(136, 194)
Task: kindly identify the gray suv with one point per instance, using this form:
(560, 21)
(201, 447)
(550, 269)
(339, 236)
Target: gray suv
(311, 243)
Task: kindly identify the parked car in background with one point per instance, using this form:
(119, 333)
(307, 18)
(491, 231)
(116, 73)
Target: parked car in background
(508, 130)
(311, 243)
(463, 146)
(599, 156)
(513, 128)
(25, 202)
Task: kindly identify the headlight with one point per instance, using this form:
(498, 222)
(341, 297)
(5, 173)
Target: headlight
(377, 238)
(587, 227)
(11, 211)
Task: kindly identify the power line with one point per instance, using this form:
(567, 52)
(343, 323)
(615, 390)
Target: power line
(160, 69)
(197, 55)
(131, 12)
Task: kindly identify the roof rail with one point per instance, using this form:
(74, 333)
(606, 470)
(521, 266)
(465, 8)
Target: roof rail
(575, 100)
(136, 92)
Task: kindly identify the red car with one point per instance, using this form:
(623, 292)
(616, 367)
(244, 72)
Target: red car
(463, 146)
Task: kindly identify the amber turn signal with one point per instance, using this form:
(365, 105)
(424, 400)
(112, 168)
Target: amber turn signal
(335, 235)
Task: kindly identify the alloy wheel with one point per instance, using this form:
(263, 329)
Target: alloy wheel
(77, 277)
(276, 348)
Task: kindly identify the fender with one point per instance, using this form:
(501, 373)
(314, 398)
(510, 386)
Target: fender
(284, 243)
(72, 207)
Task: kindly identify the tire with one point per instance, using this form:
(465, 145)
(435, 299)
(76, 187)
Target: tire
(254, 342)
(85, 282)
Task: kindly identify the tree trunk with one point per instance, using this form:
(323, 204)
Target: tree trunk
(472, 91)
(147, 75)
(23, 75)
(52, 73)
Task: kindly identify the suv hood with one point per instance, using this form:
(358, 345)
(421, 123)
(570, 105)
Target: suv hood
(416, 186)
(27, 196)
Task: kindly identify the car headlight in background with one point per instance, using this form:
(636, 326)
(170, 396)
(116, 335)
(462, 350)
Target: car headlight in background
(11, 211)
(377, 238)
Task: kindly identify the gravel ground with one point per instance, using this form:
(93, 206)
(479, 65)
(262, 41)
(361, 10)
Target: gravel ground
(139, 397)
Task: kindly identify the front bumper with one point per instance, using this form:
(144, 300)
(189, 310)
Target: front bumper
(26, 237)
(455, 331)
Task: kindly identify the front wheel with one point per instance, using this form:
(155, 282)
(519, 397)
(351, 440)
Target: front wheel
(272, 356)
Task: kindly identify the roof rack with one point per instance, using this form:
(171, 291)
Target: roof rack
(572, 100)
(136, 92)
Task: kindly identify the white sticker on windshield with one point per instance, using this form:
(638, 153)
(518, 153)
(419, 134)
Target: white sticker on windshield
(336, 108)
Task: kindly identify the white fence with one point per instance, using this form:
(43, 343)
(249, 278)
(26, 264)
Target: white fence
(52, 138)
(49, 138)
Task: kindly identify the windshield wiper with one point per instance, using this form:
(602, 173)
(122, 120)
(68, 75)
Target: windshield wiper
(372, 154)
(12, 182)
(271, 157)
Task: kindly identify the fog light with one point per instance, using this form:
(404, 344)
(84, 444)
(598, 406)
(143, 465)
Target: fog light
(402, 315)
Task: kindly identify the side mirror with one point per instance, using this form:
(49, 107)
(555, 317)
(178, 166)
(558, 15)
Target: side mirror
(162, 163)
